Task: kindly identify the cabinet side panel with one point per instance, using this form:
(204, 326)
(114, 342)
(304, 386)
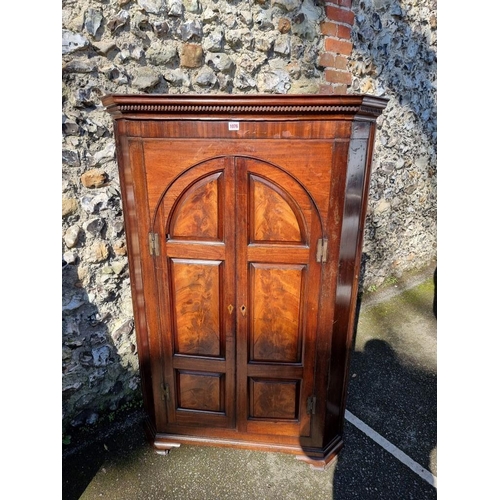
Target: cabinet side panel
(358, 171)
(129, 152)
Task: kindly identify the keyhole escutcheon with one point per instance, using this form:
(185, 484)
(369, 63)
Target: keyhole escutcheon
(243, 310)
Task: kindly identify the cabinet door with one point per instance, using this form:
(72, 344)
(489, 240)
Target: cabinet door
(278, 291)
(239, 289)
(196, 293)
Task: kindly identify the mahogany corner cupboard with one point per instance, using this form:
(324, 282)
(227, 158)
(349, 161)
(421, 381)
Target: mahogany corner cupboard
(244, 218)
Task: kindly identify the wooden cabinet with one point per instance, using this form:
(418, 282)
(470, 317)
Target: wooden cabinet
(244, 218)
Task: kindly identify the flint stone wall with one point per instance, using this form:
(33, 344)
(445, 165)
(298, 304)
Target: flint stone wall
(395, 54)
(194, 46)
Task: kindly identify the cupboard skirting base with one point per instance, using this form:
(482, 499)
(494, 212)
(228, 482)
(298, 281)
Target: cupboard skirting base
(317, 459)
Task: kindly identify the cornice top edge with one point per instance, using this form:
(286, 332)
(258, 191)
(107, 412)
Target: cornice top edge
(122, 105)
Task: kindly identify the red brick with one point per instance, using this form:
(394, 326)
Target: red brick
(327, 60)
(344, 32)
(340, 15)
(340, 89)
(329, 29)
(338, 46)
(335, 76)
(341, 62)
(325, 89)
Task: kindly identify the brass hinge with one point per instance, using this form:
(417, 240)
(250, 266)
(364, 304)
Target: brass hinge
(154, 244)
(311, 405)
(321, 250)
(165, 395)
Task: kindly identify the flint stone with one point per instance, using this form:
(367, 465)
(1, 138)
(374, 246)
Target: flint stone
(139, 21)
(192, 6)
(161, 54)
(284, 25)
(146, 78)
(206, 78)
(294, 69)
(117, 227)
(107, 153)
(74, 303)
(175, 8)
(238, 37)
(82, 98)
(176, 77)
(250, 64)
(209, 16)
(94, 128)
(80, 65)
(277, 81)
(132, 51)
(243, 81)
(120, 248)
(118, 266)
(70, 158)
(119, 20)
(307, 21)
(94, 226)
(123, 331)
(98, 252)
(287, 5)
(224, 81)
(214, 42)
(72, 42)
(221, 62)
(161, 28)
(421, 162)
(263, 21)
(93, 19)
(191, 29)
(246, 16)
(382, 206)
(69, 206)
(71, 236)
(116, 76)
(263, 43)
(400, 163)
(94, 178)
(152, 6)
(69, 257)
(101, 356)
(282, 45)
(99, 202)
(230, 21)
(70, 127)
(306, 28)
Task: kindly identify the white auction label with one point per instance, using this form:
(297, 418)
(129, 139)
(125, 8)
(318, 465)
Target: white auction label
(233, 125)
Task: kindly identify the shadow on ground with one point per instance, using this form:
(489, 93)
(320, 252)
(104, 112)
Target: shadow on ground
(392, 389)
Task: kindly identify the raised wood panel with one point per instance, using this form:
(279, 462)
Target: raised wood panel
(274, 399)
(200, 391)
(197, 214)
(272, 218)
(276, 313)
(196, 299)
